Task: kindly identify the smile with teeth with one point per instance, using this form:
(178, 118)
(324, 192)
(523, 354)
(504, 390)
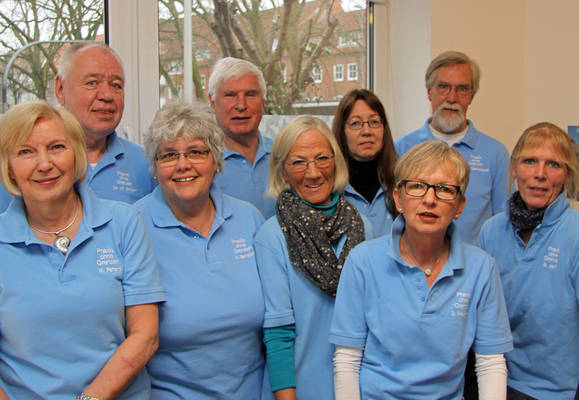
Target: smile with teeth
(313, 186)
(188, 179)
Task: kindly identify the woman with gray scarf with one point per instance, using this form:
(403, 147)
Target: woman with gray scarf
(300, 252)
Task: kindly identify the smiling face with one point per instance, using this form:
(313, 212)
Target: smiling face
(540, 174)
(313, 185)
(366, 143)
(93, 91)
(239, 105)
(185, 181)
(43, 166)
(449, 110)
(428, 215)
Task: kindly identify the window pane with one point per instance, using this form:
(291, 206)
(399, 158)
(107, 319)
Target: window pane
(301, 78)
(31, 75)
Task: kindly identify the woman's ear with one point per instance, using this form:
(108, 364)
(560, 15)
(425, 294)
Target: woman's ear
(395, 196)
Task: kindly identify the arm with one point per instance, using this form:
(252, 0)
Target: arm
(131, 356)
(347, 373)
(285, 394)
(3, 395)
(491, 373)
(279, 344)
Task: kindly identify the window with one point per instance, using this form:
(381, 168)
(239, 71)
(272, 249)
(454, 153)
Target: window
(317, 74)
(286, 83)
(338, 72)
(175, 67)
(353, 72)
(203, 81)
(350, 39)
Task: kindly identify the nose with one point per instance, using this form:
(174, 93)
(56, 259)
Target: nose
(429, 196)
(105, 92)
(182, 162)
(540, 171)
(452, 96)
(240, 103)
(44, 162)
(365, 128)
(312, 170)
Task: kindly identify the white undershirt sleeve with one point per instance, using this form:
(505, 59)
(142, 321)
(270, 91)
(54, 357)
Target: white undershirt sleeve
(347, 372)
(491, 373)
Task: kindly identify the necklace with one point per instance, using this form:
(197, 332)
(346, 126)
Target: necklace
(62, 241)
(427, 271)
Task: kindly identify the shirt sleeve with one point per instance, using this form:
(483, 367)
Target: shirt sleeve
(272, 264)
(279, 344)
(141, 280)
(349, 326)
(493, 333)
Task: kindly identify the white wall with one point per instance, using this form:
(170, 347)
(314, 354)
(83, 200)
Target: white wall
(527, 50)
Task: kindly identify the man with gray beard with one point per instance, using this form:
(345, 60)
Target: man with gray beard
(452, 80)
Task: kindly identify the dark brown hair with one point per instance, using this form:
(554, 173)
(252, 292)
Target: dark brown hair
(387, 156)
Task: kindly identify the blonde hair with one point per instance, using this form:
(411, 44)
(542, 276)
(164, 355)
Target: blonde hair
(18, 122)
(548, 133)
(283, 144)
(428, 154)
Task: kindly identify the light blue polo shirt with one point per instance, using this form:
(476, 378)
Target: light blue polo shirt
(248, 182)
(290, 298)
(63, 317)
(415, 338)
(122, 173)
(5, 198)
(376, 211)
(541, 285)
(487, 190)
(210, 336)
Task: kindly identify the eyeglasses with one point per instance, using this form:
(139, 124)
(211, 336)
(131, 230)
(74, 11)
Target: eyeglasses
(358, 124)
(301, 165)
(444, 89)
(442, 191)
(170, 158)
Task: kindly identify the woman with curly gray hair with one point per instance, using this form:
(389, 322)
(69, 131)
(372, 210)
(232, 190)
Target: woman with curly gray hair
(210, 325)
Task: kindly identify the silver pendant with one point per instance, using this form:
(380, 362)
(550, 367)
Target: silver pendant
(427, 272)
(62, 243)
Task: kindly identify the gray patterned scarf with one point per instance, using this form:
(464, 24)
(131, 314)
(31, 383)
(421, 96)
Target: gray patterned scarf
(310, 233)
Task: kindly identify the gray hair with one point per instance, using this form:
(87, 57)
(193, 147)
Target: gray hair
(230, 67)
(190, 121)
(67, 56)
(283, 143)
(452, 58)
(427, 155)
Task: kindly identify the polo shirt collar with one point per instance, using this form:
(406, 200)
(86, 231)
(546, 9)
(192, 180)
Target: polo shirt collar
(115, 149)
(14, 227)
(263, 149)
(469, 139)
(456, 259)
(163, 216)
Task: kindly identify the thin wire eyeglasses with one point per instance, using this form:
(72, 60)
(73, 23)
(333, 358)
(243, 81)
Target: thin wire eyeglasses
(442, 191)
(358, 124)
(444, 89)
(301, 165)
(194, 156)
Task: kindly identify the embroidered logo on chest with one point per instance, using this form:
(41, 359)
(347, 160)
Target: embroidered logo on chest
(476, 163)
(107, 261)
(124, 182)
(242, 249)
(551, 259)
(460, 306)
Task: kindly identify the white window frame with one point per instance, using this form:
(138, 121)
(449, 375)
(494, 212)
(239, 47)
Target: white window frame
(317, 74)
(338, 72)
(352, 77)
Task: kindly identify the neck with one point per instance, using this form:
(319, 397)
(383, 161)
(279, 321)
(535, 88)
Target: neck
(197, 214)
(245, 145)
(54, 215)
(426, 251)
(96, 146)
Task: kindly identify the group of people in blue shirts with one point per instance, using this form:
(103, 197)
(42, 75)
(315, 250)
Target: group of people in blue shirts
(315, 265)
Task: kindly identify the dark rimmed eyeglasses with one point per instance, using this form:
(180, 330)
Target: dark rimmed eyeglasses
(442, 191)
(357, 124)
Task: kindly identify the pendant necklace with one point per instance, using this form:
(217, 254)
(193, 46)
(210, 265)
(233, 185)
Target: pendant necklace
(62, 241)
(427, 271)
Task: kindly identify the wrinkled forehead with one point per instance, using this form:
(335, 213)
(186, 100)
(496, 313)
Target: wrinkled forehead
(97, 61)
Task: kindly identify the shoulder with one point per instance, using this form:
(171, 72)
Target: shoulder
(144, 204)
(406, 142)
(490, 144)
(241, 209)
(134, 152)
(270, 231)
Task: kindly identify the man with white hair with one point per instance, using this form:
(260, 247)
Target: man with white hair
(90, 84)
(452, 80)
(237, 95)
